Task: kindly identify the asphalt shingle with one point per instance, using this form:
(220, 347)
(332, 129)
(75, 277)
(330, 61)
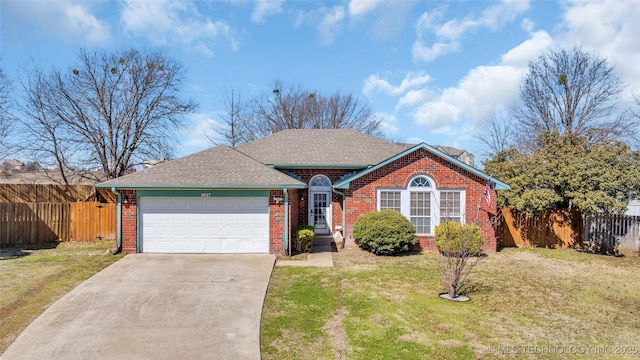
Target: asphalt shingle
(220, 166)
(317, 147)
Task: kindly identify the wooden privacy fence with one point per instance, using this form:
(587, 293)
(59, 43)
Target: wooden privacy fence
(617, 234)
(46, 193)
(552, 229)
(31, 223)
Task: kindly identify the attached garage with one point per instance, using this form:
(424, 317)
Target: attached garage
(205, 224)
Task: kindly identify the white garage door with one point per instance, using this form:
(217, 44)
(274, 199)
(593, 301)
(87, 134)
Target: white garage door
(205, 225)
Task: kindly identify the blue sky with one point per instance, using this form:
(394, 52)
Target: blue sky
(433, 71)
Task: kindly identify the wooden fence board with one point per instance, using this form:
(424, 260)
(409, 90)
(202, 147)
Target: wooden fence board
(46, 193)
(31, 223)
(552, 229)
(616, 234)
(93, 220)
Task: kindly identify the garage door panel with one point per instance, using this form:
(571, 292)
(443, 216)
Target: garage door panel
(205, 225)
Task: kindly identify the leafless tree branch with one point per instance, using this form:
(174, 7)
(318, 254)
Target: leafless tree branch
(112, 111)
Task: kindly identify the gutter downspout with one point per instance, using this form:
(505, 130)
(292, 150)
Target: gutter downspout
(344, 215)
(287, 248)
(119, 222)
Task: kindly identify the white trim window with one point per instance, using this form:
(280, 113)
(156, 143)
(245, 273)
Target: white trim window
(423, 204)
(390, 200)
(450, 206)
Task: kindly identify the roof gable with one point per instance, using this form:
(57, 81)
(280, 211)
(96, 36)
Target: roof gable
(496, 184)
(217, 167)
(344, 148)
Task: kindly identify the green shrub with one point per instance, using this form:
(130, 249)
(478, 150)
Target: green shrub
(385, 232)
(457, 239)
(303, 236)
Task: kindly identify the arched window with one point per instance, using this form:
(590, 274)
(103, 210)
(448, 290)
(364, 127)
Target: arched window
(420, 181)
(420, 205)
(320, 182)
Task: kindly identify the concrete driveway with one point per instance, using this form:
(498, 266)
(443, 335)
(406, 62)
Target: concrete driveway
(150, 306)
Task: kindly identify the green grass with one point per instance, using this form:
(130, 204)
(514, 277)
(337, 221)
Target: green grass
(305, 300)
(29, 284)
(522, 300)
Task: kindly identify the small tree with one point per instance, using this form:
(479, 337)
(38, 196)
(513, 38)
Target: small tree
(460, 247)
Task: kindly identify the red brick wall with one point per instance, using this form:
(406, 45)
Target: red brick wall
(336, 200)
(276, 222)
(129, 222)
(361, 196)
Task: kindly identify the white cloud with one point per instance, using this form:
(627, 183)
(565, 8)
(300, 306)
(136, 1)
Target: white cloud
(73, 21)
(195, 132)
(483, 90)
(330, 24)
(388, 123)
(378, 83)
(362, 7)
(265, 8)
(527, 25)
(414, 97)
(420, 51)
(529, 50)
(174, 22)
(448, 34)
(611, 30)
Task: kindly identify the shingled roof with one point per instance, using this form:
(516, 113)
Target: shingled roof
(217, 167)
(320, 147)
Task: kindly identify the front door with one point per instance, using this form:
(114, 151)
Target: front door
(320, 212)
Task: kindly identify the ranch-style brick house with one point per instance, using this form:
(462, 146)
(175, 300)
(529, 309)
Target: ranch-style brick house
(248, 199)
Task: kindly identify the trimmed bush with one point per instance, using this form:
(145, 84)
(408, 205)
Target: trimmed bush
(457, 239)
(385, 232)
(303, 236)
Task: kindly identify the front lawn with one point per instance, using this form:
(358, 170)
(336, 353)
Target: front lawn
(528, 303)
(34, 277)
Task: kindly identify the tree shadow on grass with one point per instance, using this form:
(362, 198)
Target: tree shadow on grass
(8, 252)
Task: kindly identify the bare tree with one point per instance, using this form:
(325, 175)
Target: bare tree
(572, 92)
(237, 125)
(112, 111)
(6, 117)
(292, 107)
(497, 136)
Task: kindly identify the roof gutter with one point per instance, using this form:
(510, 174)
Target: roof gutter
(318, 166)
(287, 248)
(119, 222)
(181, 187)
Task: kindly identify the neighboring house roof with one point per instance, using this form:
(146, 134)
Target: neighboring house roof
(52, 177)
(495, 183)
(345, 148)
(13, 165)
(462, 155)
(217, 167)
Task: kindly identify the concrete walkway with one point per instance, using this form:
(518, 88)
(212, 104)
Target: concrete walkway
(152, 306)
(320, 255)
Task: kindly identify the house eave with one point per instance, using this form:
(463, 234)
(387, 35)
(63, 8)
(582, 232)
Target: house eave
(495, 183)
(318, 166)
(201, 187)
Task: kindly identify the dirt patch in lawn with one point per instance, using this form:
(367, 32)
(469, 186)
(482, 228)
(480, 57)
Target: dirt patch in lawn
(336, 332)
